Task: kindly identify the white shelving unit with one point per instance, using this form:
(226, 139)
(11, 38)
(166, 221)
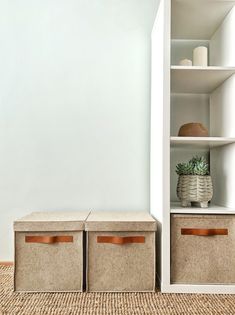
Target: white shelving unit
(191, 94)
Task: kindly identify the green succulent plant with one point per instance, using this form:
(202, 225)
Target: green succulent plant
(196, 166)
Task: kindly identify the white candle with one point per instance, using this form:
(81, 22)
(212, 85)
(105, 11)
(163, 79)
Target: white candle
(200, 56)
(185, 62)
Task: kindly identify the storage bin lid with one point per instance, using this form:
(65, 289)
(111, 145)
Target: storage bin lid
(120, 221)
(52, 221)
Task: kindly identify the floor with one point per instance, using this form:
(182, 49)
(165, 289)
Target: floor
(108, 303)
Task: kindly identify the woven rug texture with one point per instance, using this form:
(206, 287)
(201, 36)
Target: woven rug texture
(108, 303)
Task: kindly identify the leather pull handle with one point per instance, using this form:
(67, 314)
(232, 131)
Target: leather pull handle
(49, 239)
(120, 240)
(204, 232)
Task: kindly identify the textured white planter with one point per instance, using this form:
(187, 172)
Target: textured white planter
(194, 188)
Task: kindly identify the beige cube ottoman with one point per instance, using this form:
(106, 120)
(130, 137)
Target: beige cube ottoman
(49, 251)
(120, 251)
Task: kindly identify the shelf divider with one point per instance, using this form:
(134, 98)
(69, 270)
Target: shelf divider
(212, 209)
(201, 141)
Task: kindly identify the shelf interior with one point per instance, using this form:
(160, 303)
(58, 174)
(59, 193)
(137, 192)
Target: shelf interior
(198, 19)
(183, 49)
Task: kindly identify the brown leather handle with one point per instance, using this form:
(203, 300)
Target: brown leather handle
(49, 239)
(120, 240)
(204, 232)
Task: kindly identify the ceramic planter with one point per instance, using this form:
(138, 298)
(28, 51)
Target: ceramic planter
(194, 188)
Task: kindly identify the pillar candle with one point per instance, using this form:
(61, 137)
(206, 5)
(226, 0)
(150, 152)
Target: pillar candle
(200, 56)
(185, 62)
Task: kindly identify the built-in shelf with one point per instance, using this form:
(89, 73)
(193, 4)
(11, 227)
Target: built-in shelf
(183, 49)
(212, 209)
(201, 141)
(198, 79)
(198, 19)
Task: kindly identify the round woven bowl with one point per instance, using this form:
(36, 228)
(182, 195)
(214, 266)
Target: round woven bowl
(193, 130)
(194, 188)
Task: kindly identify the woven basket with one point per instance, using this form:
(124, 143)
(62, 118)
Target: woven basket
(194, 188)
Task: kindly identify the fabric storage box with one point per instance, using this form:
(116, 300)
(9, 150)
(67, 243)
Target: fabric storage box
(202, 249)
(120, 251)
(49, 251)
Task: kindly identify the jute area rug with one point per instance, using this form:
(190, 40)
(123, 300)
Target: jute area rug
(108, 303)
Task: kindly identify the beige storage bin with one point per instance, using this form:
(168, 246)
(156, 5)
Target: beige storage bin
(49, 251)
(120, 252)
(202, 249)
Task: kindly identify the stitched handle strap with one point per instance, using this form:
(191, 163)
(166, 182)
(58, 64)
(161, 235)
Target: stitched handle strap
(120, 240)
(49, 239)
(204, 232)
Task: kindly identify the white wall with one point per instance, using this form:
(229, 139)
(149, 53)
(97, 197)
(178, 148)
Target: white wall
(74, 107)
